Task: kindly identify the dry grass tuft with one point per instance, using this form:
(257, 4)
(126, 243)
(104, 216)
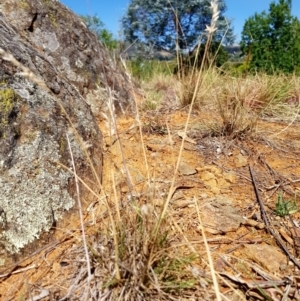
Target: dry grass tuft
(162, 92)
(148, 268)
(240, 102)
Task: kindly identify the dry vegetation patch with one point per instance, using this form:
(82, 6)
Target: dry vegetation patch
(179, 215)
(127, 263)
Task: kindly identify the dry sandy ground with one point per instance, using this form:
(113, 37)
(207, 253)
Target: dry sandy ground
(214, 173)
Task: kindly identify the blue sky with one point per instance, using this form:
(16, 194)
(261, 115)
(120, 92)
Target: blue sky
(111, 11)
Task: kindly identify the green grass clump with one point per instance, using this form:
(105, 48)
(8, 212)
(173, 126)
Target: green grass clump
(285, 207)
(145, 262)
(143, 69)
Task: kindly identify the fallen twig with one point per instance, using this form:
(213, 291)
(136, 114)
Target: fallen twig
(253, 284)
(268, 228)
(33, 266)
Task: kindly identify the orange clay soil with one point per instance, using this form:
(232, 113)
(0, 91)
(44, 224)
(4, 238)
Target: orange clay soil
(212, 169)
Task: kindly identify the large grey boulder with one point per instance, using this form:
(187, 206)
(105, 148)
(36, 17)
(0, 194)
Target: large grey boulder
(35, 187)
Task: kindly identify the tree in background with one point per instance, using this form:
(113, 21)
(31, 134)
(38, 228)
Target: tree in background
(97, 26)
(271, 41)
(173, 25)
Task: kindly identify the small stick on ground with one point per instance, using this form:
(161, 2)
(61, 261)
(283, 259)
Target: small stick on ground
(269, 229)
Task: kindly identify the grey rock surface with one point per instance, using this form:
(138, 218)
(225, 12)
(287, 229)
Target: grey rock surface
(219, 216)
(35, 188)
(63, 39)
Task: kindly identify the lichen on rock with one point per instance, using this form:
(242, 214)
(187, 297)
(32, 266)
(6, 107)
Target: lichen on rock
(36, 188)
(33, 193)
(8, 98)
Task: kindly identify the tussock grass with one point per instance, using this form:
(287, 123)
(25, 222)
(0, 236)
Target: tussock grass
(162, 92)
(147, 267)
(238, 102)
(241, 102)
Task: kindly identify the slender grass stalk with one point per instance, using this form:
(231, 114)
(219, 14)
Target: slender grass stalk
(290, 123)
(114, 125)
(116, 197)
(210, 260)
(211, 29)
(88, 264)
(140, 127)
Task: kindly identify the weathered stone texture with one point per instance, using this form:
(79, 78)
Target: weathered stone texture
(66, 43)
(50, 40)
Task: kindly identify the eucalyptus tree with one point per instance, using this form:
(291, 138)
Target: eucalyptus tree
(173, 25)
